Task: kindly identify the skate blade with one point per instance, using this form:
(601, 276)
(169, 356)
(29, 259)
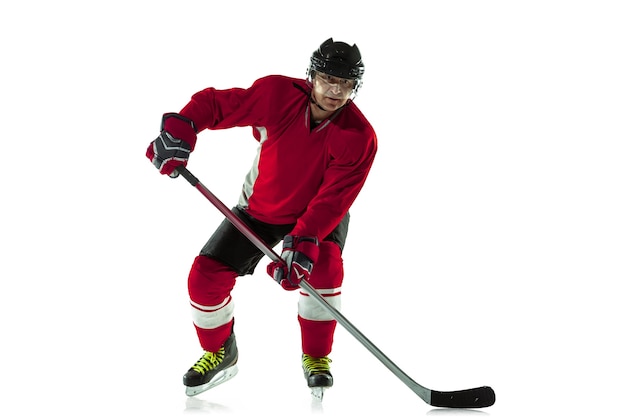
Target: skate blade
(218, 379)
(318, 393)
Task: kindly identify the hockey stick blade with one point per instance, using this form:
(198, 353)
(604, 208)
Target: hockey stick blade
(470, 398)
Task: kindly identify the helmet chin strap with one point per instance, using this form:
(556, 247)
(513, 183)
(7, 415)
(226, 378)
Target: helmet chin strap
(317, 104)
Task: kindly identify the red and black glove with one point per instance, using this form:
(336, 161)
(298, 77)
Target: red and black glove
(174, 145)
(299, 255)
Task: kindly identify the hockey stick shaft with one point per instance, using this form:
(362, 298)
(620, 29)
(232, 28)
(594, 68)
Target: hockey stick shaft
(472, 398)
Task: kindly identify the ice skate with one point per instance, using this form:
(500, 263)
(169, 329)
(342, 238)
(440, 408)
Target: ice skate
(317, 374)
(212, 369)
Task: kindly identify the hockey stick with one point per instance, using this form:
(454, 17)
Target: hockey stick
(470, 398)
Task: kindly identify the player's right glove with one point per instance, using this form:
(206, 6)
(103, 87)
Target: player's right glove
(174, 145)
(296, 263)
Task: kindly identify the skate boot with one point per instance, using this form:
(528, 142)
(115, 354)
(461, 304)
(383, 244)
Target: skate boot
(212, 369)
(317, 374)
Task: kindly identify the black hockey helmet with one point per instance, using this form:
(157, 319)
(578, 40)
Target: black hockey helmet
(339, 60)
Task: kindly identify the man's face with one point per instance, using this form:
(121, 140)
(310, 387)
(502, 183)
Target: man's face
(331, 92)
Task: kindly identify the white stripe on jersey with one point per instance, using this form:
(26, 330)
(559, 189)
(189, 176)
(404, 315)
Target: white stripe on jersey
(252, 175)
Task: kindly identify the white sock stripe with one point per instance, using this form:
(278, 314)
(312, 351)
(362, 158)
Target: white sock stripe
(210, 308)
(330, 292)
(211, 319)
(310, 309)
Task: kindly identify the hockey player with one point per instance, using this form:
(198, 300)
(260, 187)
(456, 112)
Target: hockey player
(316, 150)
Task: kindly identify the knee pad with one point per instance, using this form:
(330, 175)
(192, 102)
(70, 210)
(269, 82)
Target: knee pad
(328, 270)
(210, 281)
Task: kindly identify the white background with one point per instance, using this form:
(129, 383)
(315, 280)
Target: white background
(487, 247)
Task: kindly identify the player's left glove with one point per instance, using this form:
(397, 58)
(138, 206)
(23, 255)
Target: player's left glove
(297, 259)
(174, 145)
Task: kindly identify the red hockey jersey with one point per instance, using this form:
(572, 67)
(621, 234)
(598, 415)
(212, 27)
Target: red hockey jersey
(305, 175)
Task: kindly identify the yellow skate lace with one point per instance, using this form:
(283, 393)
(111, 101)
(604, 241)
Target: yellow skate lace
(316, 365)
(209, 361)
